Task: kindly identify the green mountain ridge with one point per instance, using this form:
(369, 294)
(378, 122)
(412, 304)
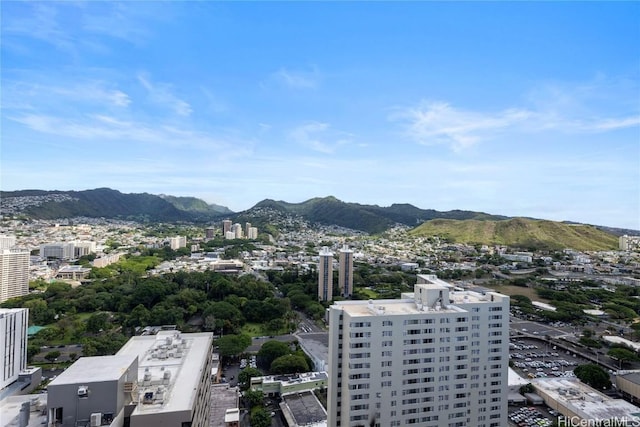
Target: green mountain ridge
(520, 232)
(193, 204)
(105, 203)
(369, 218)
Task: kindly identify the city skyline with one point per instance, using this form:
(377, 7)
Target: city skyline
(519, 109)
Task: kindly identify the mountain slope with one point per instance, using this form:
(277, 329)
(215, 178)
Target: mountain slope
(520, 232)
(100, 202)
(193, 204)
(369, 218)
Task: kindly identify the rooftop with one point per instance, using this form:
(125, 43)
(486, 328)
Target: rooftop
(585, 401)
(169, 368)
(305, 409)
(95, 369)
(412, 304)
(224, 399)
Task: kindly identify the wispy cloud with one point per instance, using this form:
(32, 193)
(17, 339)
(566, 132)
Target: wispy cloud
(436, 122)
(433, 123)
(104, 128)
(161, 94)
(319, 137)
(297, 79)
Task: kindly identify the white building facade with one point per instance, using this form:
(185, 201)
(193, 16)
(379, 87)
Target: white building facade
(13, 343)
(438, 357)
(14, 273)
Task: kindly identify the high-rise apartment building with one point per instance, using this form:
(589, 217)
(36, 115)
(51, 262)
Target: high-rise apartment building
(177, 242)
(247, 229)
(226, 226)
(59, 250)
(13, 343)
(253, 233)
(437, 357)
(210, 232)
(345, 274)
(7, 242)
(325, 275)
(14, 273)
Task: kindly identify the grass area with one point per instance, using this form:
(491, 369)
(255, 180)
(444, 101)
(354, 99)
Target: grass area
(520, 232)
(252, 329)
(369, 293)
(519, 290)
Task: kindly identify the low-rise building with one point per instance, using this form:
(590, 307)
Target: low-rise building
(577, 401)
(282, 384)
(154, 380)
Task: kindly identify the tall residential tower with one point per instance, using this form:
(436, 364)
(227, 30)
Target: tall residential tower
(437, 357)
(325, 275)
(14, 273)
(345, 274)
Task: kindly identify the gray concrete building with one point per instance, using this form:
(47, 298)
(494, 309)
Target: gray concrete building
(153, 381)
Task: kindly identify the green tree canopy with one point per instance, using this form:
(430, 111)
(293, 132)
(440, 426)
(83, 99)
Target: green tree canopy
(244, 377)
(289, 364)
(260, 417)
(270, 351)
(593, 375)
(233, 345)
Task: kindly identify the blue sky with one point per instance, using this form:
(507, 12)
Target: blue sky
(514, 108)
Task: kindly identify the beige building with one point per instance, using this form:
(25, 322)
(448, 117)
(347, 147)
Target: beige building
(14, 273)
(345, 273)
(325, 275)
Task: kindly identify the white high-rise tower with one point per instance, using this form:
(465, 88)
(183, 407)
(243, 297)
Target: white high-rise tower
(436, 357)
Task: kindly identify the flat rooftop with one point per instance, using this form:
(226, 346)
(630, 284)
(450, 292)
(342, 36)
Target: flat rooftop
(585, 401)
(305, 409)
(285, 380)
(408, 305)
(223, 398)
(10, 410)
(170, 366)
(95, 369)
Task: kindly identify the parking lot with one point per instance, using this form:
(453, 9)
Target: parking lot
(534, 359)
(529, 417)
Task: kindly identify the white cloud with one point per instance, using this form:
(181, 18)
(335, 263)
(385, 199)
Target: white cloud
(297, 79)
(438, 122)
(319, 137)
(102, 128)
(431, 123)
(161, 94)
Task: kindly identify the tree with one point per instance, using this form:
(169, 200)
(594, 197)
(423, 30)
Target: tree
(244, 377)
(593, 375)
(622, 355)
(233, 345)
(52, 355)
(260, 417)
(289, 364)
(270, 351)
(254, 397)
(97, 322)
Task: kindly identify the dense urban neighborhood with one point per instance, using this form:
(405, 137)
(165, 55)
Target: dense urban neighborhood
(97, 286)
